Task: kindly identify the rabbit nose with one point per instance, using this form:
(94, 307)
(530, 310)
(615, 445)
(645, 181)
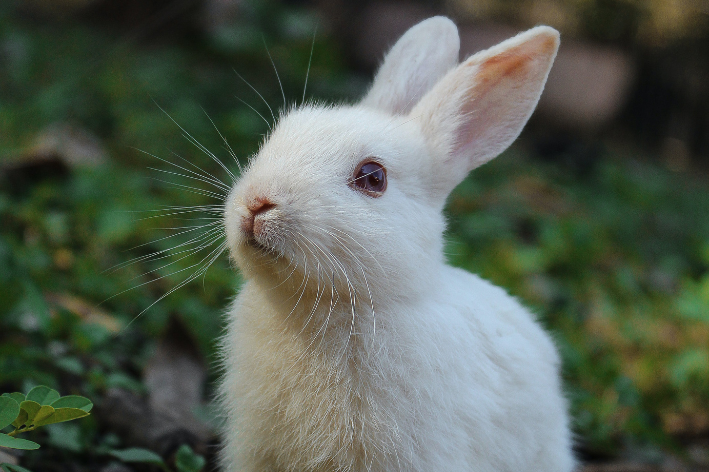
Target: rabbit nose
(249, 224)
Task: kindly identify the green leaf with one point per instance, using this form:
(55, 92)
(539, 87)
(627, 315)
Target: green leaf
(9, 410)
(31, 408)
(74, 401)
(17, 396)
(45, 412)
(17, 443)
(43, 395)
(137, 455)
(13, 468)
(60, 415)
(20, 420)
(186, 460)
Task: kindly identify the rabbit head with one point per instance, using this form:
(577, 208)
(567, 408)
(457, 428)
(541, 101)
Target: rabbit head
(351, 196)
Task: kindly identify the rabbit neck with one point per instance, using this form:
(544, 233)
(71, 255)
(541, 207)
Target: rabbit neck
(337, 320)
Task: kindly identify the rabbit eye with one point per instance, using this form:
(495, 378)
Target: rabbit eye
(370, 177)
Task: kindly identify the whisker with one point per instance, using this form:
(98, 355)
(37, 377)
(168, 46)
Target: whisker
(209, 153)
(310, 60)
(257, 92)
(189, 252)
(153, 256)
(229, 149)
(215, 208)
(199, 191)
(304, 285)
(197, 144)
(256, 111)
(173, 213)
(153, 281)
(350, 287)
(189, 177)
(202, 174)
(276, 70)
(217, 252)
(173, 235)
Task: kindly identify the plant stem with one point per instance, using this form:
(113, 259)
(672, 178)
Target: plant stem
(17, 431)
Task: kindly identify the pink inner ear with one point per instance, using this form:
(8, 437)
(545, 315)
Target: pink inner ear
(505, 88)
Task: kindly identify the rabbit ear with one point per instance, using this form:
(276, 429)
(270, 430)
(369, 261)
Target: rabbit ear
(478, 109)
(421, 56)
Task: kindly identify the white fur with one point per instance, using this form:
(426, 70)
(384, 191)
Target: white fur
(416, 62)
(352, 345)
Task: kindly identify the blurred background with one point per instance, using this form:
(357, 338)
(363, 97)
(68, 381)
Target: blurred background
(596, 217)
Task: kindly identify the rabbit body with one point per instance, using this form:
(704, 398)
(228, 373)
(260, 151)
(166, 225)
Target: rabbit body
(352, 346)
(470, 386)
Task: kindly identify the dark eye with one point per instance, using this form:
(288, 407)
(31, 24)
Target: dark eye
(370, 177)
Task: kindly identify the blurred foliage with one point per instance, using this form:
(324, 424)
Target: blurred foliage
(614, 261)
(647, 22)
(185, 459)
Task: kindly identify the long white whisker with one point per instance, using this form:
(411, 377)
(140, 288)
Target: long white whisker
(350, 287)
(189, 177)
(215, 208)
(155, 280)
(217, 228)
(257, 92)
(276, 70)
(217, 252)
(202, 173)
(310, 60)
(199, 146)
(257, 112)
(153, 255)
(199, 191)
(304, 285)
(229, 149)
(209, 153)
(190, 252)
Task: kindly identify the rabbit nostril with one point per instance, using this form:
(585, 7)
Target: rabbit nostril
(256, 207)
(259, 205)
(263, 208)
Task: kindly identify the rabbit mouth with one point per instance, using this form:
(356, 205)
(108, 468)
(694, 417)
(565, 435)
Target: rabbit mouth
(259, 246)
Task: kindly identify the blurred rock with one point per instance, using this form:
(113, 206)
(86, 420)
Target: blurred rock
(162, 422)
(588, 85)
(8, 458)
(72, 145)
(699, 454)
(130, 416)
(175, 377)
(116, 467)
(57, 149)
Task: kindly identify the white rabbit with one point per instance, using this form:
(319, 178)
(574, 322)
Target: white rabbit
(352, 345)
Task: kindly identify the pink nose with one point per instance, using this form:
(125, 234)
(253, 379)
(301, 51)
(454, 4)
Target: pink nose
(256, 207)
